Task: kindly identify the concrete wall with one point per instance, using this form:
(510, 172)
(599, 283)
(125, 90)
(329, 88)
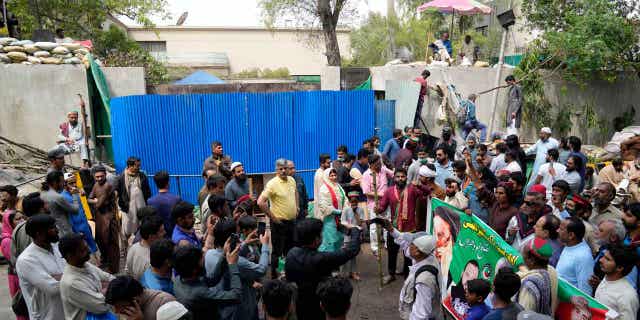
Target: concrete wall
(466, 80)
(246, 48)
(35, 99)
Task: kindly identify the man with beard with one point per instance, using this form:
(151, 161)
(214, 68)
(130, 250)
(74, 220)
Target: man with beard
(610, 233)
(455, 196)
(402, 199)
(544, 144)
(183, 232)
(303, 197)
(427, 178)
(549, 172)
(614, 291)
(133, 192)
(71, 136)
(238, 186)
(218, 161)
(577, 206)
(448, 142)
(602, 196)
(81, 283)
(58, 206)
(40, 268)
(325, 163)
(56, 160)
(382, 175)
(571, 174)
(559, 192)
(444, 169)
(412, 172)
(521, 226)
(460, 170)
(107, 226)
(612, 173)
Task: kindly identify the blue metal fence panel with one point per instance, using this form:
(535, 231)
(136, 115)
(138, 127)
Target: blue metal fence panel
(385, 119)
(174, 132)
(271, 123)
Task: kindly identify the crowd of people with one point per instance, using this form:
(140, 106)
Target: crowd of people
(277, 255)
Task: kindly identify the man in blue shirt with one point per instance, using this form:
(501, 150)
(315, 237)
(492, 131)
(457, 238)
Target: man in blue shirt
(472, 122)
(444, 169)
(183, 233)
(575, 144)
(164, 200)
(158, 276)
(392, 146)
(576, 262)
(447, 43)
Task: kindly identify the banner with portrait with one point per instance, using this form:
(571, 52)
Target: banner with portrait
(467, 249)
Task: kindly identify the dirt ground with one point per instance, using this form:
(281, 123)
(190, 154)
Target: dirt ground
(367, 301)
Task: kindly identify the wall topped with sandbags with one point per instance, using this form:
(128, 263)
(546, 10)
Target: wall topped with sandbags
(28, 52)
(36, 99)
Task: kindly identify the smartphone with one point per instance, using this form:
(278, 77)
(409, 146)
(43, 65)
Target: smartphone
(262, 228)
(234, 241)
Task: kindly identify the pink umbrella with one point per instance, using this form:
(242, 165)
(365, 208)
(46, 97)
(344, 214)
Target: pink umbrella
(463, 7)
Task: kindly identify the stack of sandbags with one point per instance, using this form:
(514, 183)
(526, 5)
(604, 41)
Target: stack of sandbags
(28, 52)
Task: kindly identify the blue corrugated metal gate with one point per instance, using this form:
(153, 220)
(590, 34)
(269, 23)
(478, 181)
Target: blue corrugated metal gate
(385, 119)
(173, 132)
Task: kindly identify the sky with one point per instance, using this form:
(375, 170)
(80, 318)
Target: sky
(236, 12)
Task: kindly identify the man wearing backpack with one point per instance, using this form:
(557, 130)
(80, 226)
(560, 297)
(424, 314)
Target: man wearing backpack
(420, 294)
(468, 113)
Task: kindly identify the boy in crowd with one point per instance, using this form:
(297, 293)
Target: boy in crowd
(476, 292)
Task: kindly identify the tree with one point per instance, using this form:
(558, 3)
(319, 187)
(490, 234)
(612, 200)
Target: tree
(586, 39)
(312, 14)
(82, 18)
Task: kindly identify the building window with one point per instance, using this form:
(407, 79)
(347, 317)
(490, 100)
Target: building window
(157, 49)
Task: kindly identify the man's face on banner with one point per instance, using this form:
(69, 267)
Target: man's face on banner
(442, 230)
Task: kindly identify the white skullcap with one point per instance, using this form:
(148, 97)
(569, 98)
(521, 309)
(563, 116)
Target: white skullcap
(426, 244)
(426, 172)
(546, 130)
(235, 164)
(68, 176)
(172, 310)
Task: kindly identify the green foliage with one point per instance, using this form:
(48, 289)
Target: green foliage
(562, 123)
(81, 19)
(257, 73)
(536, 108)
(117, 50)
(588, 38)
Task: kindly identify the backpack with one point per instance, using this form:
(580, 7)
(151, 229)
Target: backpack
(461, 114)
(434, 271)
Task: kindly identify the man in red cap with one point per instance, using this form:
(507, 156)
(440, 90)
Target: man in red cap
(539, 279)
(520, 228)
(577, 206)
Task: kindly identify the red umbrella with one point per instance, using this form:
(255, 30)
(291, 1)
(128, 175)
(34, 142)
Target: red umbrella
(463, 7)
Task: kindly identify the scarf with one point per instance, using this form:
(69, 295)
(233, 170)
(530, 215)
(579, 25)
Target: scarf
(538, 284)
(7, 229)
(334, 199)
(136, 202)
(403, 205)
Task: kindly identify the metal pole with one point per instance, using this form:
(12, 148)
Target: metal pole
(178, 185)
(494, 103)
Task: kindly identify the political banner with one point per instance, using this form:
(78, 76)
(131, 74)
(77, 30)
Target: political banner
(467, 249)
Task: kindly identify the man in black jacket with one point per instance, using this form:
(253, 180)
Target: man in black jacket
(307, 267)
(132, 186)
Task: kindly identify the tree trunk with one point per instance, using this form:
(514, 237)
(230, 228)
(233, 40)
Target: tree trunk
(329, 24)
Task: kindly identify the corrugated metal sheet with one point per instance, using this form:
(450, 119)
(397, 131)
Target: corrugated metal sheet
(385, 119)
(174, 132)
(405, 93)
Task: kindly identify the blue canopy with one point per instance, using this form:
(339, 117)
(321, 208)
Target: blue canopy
(199, 77)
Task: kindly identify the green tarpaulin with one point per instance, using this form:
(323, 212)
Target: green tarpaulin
(365, 85)
(101, 110)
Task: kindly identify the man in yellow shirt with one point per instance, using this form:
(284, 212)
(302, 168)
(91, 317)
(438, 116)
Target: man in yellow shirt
(281, 208)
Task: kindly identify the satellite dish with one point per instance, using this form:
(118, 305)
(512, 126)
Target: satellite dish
(182, 18)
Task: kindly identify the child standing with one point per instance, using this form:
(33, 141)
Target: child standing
(476, 292)
(352, 215)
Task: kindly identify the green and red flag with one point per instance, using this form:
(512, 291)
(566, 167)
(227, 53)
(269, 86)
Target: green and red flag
(467, 248)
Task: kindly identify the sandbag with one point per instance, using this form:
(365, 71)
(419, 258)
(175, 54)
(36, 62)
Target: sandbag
(42, 54)
(4, 58)
(34, 60)
(63, 56)
(30, 48)
(73, 60)
(5, 41)
(21, 42)
(60, 50)
(481, 64)
(48, 46)
(72, 46)
(81, 51)
(13, 49)
(51, 60)
(17, 56)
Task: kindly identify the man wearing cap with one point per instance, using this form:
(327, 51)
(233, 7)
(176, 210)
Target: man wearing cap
(71, 137)
(238, 186)
(427, 178)
(56, 160)
(540, 149)
(420, 294)
(539, 280)
(521, 226)
(401, 199)
(577, 206)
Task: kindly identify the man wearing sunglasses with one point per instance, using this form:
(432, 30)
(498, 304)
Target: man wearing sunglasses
(520, 228)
